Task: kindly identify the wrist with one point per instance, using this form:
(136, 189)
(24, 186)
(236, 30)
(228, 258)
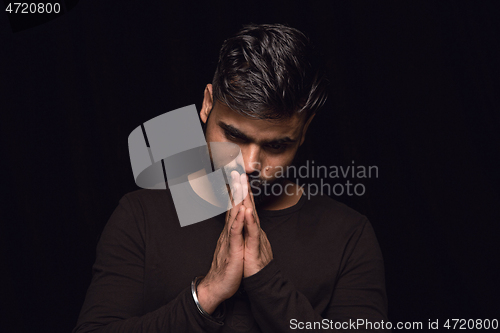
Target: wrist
(206, 298)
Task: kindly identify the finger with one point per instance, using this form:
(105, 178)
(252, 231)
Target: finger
(252, 230)
(237, 194)
(235, 183)
(244, 186)
(235, 176)
(248, 199)
(233, 211)
(231, 181)
(236, 231)
(231, 199)
(250, 195)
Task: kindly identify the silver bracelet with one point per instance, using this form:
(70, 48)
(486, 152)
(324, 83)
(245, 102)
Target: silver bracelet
(194, 286)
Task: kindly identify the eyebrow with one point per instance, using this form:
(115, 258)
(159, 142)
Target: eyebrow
(242, 136)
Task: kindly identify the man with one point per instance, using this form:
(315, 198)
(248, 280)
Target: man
(272, 263)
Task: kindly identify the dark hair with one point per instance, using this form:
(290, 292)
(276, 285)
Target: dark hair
(270, 71)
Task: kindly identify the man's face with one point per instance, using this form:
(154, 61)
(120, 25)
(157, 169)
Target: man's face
(267, 146)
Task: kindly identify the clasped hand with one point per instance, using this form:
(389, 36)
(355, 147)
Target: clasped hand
(242, 249)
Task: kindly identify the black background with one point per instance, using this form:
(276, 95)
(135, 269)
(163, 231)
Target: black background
(414, 91)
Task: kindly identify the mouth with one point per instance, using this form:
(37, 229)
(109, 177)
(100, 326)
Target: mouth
(260, 190)
(256, 183)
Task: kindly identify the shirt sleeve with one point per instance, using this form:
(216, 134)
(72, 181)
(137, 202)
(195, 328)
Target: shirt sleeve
(359, 292)
(114, 301)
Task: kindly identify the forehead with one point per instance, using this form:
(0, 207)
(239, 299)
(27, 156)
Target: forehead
(262, 129)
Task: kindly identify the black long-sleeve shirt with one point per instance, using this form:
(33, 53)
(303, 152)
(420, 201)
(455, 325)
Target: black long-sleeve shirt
(327, 268)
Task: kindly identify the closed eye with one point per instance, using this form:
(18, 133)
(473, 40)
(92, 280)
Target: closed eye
(277, 147)
(231, 137)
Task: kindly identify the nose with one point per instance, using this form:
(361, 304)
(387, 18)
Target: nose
(251, 157)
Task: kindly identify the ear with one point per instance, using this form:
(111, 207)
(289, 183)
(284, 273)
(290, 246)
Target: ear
(304, 129)
(207, 104)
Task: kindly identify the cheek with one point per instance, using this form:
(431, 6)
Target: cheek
(278, 164)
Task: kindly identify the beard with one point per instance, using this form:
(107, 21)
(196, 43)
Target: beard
(261, 188)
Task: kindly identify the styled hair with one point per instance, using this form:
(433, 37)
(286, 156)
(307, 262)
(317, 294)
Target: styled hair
(270, 71)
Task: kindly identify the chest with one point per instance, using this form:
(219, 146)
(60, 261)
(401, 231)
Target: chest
(305, 256)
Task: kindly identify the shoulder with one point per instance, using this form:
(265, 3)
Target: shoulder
(336, 225)
(147, 196)
(146, 203)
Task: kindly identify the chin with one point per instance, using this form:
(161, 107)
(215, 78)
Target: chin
(262, 192)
